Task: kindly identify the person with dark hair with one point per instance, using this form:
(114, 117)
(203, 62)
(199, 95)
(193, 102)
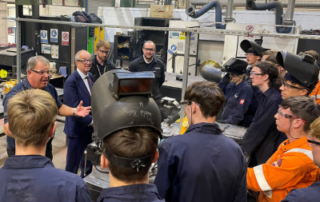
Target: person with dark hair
(311, 193)
(291, 166)
(273, 58)
(202, 164)
(254, 53)
(238, 93)
(129, 183)
(301, 77)
(259, 142)
(29, 175)
(129, 139)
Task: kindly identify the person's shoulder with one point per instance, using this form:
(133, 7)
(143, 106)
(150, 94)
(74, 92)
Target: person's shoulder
(69, 178)
(18, 88)
(174, 142)
(310, 193)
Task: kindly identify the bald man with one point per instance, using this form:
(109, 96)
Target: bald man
(79, 129)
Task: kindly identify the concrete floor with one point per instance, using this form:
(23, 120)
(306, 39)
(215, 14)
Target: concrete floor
(58, 145)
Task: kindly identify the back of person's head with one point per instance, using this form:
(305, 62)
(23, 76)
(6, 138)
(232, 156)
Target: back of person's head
(302, 107)
(269, 52)
(31, 114)
(103, 43)
(273, 73)
(131, 143)
(208, 95)
(272, 58)
(313, 54)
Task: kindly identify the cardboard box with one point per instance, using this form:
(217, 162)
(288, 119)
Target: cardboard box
(161, 11)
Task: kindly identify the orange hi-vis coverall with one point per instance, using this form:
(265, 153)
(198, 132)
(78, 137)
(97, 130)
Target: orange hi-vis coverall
(290, 167)
(316, 93)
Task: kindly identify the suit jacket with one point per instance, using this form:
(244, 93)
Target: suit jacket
(74, 91)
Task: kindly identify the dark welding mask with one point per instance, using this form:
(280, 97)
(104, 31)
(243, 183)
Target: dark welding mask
(302, 67)
(234, 65)
(256, 48)
(121, 99)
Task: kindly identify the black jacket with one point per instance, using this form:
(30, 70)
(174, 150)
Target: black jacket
(94, 68)
(139, 65)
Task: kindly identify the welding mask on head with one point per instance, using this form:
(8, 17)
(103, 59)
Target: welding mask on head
(234, 65)
(257, 49)
(121, 99)
(302, 67)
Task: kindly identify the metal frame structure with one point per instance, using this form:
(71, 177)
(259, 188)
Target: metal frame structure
(187, 44)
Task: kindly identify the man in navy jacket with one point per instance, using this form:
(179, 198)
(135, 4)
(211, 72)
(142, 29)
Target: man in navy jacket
(77, 88)
(202, 164)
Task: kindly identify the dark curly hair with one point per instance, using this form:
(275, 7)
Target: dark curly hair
(270, 69)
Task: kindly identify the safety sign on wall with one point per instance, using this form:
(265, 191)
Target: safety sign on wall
(55, 51)
(65, 38)
(54, 35)
(44, 36)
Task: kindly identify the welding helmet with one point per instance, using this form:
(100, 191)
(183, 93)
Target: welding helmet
(234, 65)
(121, 99)
(301, 68)
(257, 49)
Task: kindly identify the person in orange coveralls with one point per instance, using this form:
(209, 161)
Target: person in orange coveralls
(291, 166)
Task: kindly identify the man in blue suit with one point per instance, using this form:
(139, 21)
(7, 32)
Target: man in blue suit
(79, 129)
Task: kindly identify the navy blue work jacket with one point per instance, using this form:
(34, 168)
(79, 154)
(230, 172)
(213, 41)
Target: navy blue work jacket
(201, 165)
(22, 86)
(309, 194)
(130, 193)
(33, 178)
(261, 138)
(238, 99)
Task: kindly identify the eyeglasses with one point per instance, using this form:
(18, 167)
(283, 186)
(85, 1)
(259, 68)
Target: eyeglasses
(106, 52)
(287, 116)
(41, 72)
(189, 103)
(312, 142)
(286, 85)
(85, 61)
(255, 73)
(149, 49)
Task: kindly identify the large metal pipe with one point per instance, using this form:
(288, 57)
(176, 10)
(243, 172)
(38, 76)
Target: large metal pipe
(228, 17)
(251, 5)
(300, 4)
(191, 11)
(288, 18)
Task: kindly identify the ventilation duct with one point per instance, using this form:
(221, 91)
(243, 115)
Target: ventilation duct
(191, 11)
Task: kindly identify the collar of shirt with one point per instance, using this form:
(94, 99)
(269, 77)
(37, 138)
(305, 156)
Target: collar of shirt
(27, 162)
(133, 190)
(96, 62)
(83, 76)
(141, 59)
(146, 60)
(286, 145)
(211, 128)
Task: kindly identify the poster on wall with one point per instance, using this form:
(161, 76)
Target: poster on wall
(65, 38)
(54, 35)
(55, 51)
(44, 36)
(45, 48)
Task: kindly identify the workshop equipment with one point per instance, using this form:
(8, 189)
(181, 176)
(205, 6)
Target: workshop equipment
(9, 85)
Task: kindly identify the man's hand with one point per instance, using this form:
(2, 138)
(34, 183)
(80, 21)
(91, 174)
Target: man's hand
(82, 111)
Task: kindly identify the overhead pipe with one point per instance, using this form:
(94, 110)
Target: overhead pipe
(228, 17)
(191, 11)
(251, 5)
(243, 4)
(288, 18)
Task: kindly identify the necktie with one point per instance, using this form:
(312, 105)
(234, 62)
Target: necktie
(89, 83)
